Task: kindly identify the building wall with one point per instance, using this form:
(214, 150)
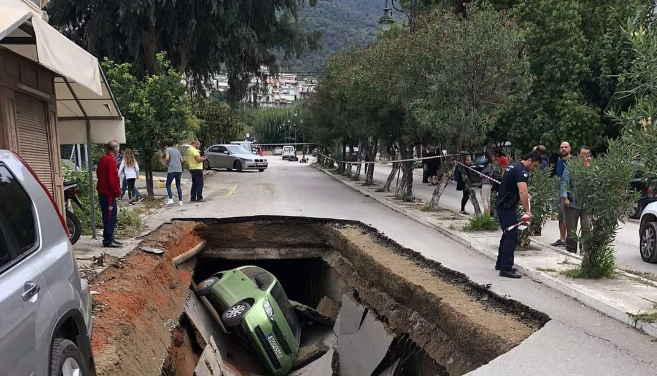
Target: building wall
(33, 84)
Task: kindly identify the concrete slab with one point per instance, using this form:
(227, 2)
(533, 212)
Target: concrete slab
(262, 253)
(320, 367)
(211, 363)
(351, 316)
(390, 371)
(362, 351)
(202, 321)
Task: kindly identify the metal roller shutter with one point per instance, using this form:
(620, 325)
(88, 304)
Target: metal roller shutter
(33, 137)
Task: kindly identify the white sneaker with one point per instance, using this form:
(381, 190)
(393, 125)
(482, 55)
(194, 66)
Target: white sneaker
(179, 203)
(170, 202)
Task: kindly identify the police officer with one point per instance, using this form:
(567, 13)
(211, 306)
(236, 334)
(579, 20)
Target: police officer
(513, 190)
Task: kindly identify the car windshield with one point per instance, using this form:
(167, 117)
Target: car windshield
(288, 149)
(237, 149)
(284, 304)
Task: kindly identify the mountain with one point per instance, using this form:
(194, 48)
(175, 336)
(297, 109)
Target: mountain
(343, 23)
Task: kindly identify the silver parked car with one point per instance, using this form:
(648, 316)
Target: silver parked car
(233, 157)
(45, 308)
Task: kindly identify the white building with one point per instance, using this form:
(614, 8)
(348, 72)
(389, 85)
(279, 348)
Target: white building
(284, 90)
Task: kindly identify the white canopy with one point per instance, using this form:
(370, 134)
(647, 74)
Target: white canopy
(81, 90)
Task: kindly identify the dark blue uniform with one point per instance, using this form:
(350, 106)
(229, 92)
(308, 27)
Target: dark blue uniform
(508, 198)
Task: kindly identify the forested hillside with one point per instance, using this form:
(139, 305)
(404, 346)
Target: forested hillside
(343, 23)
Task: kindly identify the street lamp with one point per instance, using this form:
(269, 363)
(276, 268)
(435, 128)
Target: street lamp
(387, 20)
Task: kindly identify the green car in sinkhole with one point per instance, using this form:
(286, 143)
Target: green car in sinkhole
(252, 303)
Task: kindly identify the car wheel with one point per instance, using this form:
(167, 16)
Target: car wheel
(203, 288)
(649, 242)
(232, 317)
(261, 169)
(636, 210)
(238, 166)
(206, 164)
(66, 359)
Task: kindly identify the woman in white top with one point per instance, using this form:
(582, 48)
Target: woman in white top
(130, 168)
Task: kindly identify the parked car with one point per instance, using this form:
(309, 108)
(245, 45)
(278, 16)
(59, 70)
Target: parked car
(646, 196)
(233, 157)
(44, 305)
(253, 303)
(648, 233)
(289, 153)
(278, 150)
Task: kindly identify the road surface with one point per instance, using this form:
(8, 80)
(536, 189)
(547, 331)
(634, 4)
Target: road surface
(577, 340)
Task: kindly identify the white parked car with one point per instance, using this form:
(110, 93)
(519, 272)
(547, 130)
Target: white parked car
(648, 233)
(278, 150)
(289, 153)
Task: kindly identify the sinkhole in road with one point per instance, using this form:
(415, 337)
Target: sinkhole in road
(367, 305)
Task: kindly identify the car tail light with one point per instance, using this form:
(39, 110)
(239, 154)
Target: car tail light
(649, 192)
(45, 190)
(76, 191)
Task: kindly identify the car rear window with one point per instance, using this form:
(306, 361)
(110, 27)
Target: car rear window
(284, 304)
(17, 224)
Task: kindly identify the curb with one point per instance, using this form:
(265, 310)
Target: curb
(556, 284)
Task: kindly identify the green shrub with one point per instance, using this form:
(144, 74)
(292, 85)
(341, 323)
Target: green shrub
(543, 188)
(482, 223)
(602, 191)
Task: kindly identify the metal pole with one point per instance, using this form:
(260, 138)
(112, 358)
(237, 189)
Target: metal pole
(90, 168)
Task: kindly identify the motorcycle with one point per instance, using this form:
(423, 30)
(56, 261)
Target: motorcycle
(73, 224)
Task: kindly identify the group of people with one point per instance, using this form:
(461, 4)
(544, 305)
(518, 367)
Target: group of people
(115, 164)
(513, 191)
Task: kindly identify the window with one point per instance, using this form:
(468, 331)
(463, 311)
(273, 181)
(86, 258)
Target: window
(214, 149)
(221, 149)
(284, 304)
(238, 149)
(17, 223)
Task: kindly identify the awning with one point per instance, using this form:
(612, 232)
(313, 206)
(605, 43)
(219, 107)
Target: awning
(81, 90)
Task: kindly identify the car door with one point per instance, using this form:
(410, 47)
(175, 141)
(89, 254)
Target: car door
(22, 304)
(224, 158)
(211, 154)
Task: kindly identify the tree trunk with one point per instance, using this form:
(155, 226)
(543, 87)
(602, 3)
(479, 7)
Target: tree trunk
(468, 186)
(149, 178)
(369, 175)
(360, 159)
(405, 192)
(391, 177)
(344, 158)
(442, 184)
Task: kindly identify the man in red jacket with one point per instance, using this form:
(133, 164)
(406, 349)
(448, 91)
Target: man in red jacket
(108, 191)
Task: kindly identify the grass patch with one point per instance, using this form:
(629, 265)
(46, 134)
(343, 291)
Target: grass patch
(644, 317)
(575, 273)
(642, 281)
(428, 208)
(334, 171)
(482, 223)
(645, 275)
(546, 270)
(153, 203)
(129, 223)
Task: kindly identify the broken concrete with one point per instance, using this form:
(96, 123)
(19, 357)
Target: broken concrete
(363, 341)
(261, 253)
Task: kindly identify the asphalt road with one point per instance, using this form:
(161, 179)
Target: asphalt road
(627, 239)
(577, 340)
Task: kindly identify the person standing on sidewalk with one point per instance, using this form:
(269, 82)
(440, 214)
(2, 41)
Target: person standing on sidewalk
(195, 161)
(108, 191)
(460, 182)
(513, 190)
(124, 183)
(174, 161)
(486, 184)
(564, 153)
(129, 168)
(572, 207)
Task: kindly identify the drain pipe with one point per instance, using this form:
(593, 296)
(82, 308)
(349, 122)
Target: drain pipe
(189, 254)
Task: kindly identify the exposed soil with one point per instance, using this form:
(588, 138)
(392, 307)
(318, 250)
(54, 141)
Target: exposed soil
(140, 302)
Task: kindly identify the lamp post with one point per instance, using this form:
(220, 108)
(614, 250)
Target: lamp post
(386, 21)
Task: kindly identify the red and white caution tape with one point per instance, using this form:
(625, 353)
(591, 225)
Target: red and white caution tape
(394, 161)
(479, 173)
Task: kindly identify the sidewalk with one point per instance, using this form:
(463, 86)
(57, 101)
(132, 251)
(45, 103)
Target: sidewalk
(628, 298)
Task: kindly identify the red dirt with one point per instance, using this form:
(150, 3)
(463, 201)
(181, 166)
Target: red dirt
(140, 303)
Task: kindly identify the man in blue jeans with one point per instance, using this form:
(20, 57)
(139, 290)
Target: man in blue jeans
(513, 190)
(173, 160)
(108, 189)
